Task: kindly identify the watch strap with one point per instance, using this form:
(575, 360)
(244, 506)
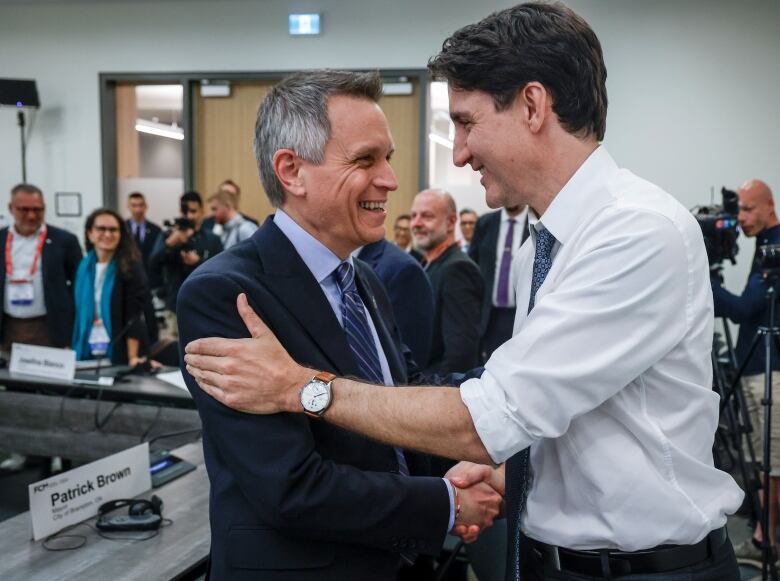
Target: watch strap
(326, 378)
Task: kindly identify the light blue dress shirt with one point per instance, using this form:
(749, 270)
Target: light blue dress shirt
(323, 263)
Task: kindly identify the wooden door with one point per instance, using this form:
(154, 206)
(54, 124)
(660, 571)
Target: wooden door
(224, 130)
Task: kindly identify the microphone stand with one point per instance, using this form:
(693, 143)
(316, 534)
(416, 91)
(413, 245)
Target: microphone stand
(21, 121)
(133, 320)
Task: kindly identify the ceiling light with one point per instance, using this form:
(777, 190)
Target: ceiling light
(159, 129)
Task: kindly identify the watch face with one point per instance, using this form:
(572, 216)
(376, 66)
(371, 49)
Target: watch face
(315, 396)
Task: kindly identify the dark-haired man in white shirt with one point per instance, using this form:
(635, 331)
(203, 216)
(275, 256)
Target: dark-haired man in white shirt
(607, 379)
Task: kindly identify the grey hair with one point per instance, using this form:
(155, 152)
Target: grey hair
(294, 115)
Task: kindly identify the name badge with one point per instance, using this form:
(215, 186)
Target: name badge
(98, 339)
(21, 293)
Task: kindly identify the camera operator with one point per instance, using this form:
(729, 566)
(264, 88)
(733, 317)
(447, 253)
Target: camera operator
(180, 250)
(757, 218)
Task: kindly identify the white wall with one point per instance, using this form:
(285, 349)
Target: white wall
(694, 85)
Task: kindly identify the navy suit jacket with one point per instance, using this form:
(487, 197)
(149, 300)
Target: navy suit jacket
(151, 232)
(294, 497)
(483, 251)
(457, 290)
(60, 260)
(410, 294)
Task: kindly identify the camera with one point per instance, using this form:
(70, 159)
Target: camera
(178, 224)
(720, 228)
(182, 224)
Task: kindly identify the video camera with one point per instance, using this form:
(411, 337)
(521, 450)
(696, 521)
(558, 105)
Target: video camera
(720, 228)
(179, 224)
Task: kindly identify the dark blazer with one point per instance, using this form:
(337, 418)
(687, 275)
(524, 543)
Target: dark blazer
(59, 260)
(410, 294)
(151, 232)
(167, 263)
(483, 251)
(457, 288)
(127, 307)
(293, 497)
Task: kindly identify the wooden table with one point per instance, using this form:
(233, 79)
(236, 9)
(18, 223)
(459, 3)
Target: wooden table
(43, 417)
(177, 552)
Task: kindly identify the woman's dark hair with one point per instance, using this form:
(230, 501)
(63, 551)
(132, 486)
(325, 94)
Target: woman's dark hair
(543, 42)
(126, 252)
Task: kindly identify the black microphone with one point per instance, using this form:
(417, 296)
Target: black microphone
(133, 320)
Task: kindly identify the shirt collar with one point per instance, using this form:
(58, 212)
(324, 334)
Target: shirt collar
(575, 201)
(766, 236)
(519, 219)
(317, 257)
(233, 222)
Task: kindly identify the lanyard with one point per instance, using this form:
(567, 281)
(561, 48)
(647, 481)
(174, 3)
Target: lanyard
(9, 267)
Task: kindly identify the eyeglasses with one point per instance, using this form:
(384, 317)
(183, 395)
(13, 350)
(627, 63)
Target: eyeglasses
(27, 210)
(106, 229)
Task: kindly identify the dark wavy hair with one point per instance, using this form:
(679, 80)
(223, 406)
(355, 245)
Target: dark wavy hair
(126, 252)
(537, 41)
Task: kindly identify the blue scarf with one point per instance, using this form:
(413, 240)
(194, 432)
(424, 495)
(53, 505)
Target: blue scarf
(84, 296)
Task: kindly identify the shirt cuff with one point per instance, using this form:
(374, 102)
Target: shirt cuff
(451, 492)
(500, 432)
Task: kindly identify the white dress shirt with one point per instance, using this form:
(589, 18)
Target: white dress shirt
(22, 255)
(517, 239)
(609, 378)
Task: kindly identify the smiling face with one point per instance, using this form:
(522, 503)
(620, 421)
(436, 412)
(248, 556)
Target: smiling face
(341, 201)
(433, 221)
(105, 233)
(27, 210)
(493, 143)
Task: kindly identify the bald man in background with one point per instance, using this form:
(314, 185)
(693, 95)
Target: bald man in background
(757, 219)
(456, 281)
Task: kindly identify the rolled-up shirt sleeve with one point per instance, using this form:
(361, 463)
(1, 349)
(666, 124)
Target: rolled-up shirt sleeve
(612, 308)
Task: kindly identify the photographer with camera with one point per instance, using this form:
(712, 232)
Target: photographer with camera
(757, 218)
(183, 246)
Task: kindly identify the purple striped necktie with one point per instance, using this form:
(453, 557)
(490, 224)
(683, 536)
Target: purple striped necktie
(502, 290)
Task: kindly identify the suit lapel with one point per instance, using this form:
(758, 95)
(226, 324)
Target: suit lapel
(394, 361)
(286, 276)
(46, 257)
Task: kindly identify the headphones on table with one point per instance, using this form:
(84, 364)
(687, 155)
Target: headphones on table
(142, 515)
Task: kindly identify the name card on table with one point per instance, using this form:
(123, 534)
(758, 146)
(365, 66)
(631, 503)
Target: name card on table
(43, 361)
(73, 496)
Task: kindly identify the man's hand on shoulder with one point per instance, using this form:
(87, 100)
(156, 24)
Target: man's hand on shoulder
(254, 375)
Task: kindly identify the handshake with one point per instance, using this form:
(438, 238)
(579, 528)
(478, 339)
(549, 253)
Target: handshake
(479, 493)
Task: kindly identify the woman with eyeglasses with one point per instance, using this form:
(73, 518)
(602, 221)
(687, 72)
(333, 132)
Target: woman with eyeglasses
(109, 294)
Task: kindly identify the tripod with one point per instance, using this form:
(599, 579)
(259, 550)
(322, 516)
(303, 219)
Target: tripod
(769, 334)
(736, 435)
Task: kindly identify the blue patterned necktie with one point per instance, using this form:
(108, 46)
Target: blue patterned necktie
(517, 465)
(359, 336)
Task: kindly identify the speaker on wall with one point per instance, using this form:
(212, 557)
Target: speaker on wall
(19, 93)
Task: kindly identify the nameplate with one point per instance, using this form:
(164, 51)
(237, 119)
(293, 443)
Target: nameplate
(43, 361)
(73, 496)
